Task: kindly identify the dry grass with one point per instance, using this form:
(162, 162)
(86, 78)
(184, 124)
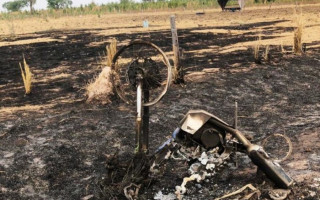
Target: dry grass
(256, 50)
(282, 48)
(26, 76)
(12, 30)
(111, 51)
(100, 88)
(298, 31)
(175, 73)
(266, 53)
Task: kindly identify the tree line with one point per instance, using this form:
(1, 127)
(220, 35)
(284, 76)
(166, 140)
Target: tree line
(17, 5)
(123, 5)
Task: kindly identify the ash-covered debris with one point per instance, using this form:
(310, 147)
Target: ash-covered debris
(160, 196)
(130, 180)
(124, 179)
(206, 144)
(200, 149)
(203, 166)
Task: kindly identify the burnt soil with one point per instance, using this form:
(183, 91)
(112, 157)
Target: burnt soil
(60, 147)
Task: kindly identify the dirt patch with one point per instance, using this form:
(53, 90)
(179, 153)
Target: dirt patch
(55, 146)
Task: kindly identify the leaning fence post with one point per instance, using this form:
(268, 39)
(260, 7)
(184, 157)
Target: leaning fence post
(178, 73)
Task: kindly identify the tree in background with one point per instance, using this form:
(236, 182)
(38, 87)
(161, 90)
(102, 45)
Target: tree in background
(16, 5)
(125, 1)
(31, 3)
(57, 4)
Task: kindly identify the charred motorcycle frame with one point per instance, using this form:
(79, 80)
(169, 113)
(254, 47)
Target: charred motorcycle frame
(209, 131)
(142, 75)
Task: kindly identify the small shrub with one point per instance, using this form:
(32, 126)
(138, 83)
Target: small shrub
(26, 76)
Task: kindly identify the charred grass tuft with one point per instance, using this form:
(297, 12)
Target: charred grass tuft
(26, 76)
(256, 49)
(298, 32)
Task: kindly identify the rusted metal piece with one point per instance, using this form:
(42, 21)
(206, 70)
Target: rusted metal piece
(145, 131)
(286, 138)
(115, 71)
(131, 191)
(250, 186)
(278, 194)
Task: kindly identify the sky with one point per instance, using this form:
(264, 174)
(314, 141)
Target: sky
(42, 4)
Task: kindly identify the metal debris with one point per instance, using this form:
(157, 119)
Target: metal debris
(160, 196)
(206, 164)
(289, 152)
(209, 163)
(87, 197)
(206, 143)
(8, 155)
(141, 77)
(131, 191)
(251, 187)
(279, 194)
(180, 190)
(3, 134)
(209, 131)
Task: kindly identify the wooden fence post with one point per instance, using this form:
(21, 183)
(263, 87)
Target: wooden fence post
(178, 73)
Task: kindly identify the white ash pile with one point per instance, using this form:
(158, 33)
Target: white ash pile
(202, 164)
(207, 164)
